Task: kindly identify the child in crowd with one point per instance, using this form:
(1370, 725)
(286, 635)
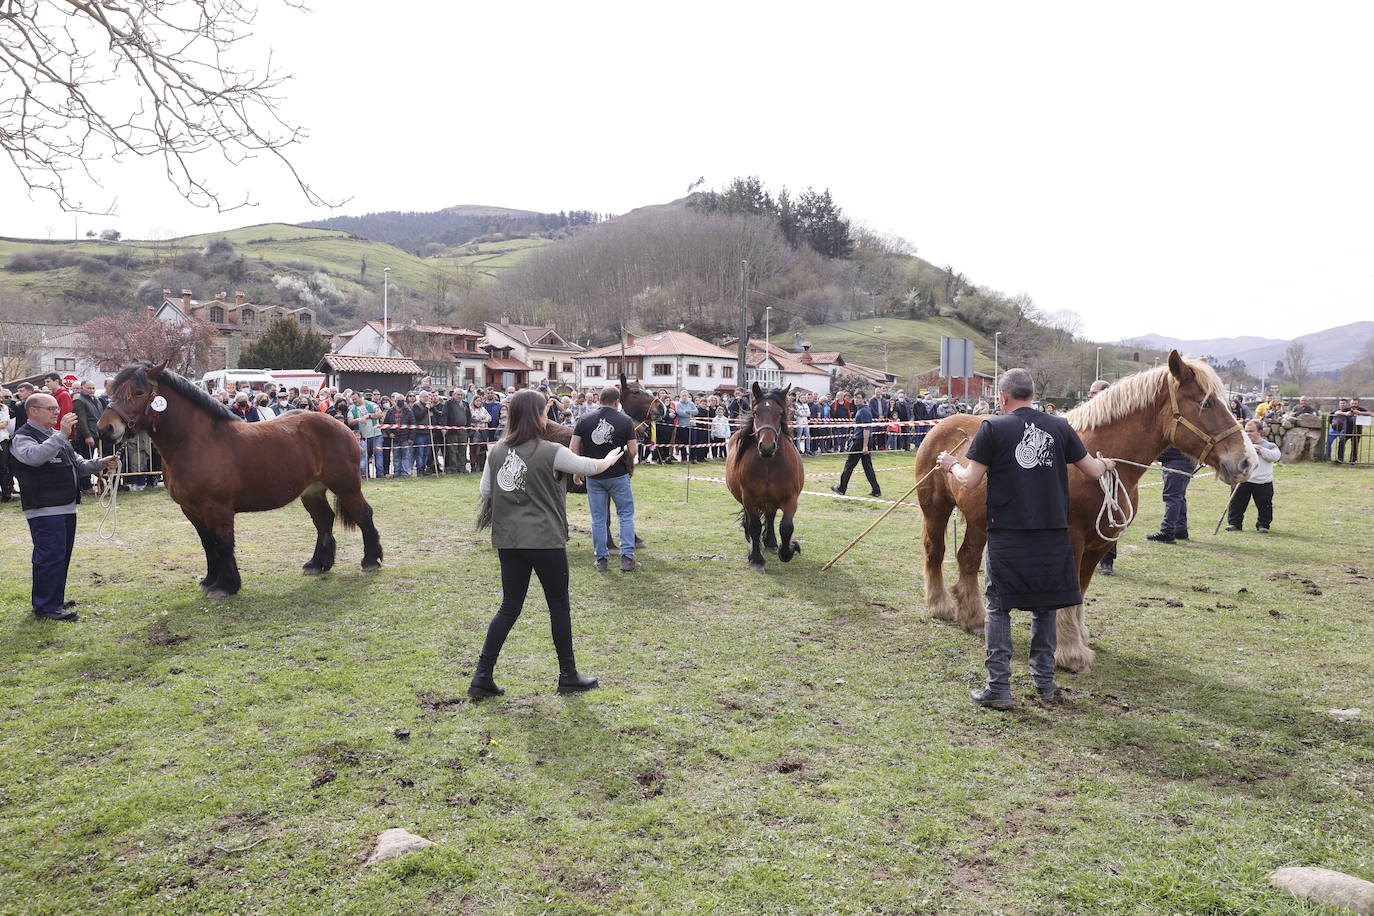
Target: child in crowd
(720, 431)
(1260, 485)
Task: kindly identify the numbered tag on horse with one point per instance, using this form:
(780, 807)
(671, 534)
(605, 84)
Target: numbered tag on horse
(159, 404)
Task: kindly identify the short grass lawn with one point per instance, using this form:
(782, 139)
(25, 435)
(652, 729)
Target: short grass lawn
(791, 742)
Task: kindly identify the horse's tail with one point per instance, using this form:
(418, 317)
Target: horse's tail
(345, 517)
(484, 513)
(743, 517)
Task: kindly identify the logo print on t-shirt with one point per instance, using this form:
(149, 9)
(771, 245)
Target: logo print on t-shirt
(1036, 448)
(511, 477)
(603, 432)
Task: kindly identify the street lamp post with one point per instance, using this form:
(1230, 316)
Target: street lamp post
(386, 321)
(996, 339)
(1099, 364)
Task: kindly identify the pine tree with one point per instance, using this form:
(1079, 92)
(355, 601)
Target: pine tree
(285, 346)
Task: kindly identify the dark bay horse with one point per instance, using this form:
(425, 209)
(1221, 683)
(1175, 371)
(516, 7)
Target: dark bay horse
(764, 473)
(215, 465)
(1182, 403)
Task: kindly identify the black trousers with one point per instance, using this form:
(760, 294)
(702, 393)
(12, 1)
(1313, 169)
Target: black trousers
(1176, 496)
(853, 459)
(1263, 494)
(6, 472)
(551, 566)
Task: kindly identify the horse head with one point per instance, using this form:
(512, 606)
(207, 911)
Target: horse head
(768, 418)
(131, 405)
(635, 401)
(1198, 421)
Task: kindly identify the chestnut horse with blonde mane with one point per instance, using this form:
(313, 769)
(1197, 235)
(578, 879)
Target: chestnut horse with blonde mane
(765, 474)
(1182, 404)
(214, 465)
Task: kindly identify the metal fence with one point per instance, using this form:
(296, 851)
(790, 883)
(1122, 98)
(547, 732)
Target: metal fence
(1354, 448)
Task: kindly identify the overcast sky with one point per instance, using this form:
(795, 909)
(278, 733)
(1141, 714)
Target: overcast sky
(1188, 169)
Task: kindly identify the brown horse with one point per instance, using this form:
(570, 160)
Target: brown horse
(764, 473)
(1182, 404)
(215, 465)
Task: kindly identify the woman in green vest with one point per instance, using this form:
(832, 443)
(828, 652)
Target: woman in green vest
(524, 480)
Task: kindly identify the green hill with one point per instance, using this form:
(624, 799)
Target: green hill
(82, 277)
(490, 259)
(912, 346)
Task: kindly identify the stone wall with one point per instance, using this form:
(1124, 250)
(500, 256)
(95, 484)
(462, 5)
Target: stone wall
(1298, 438)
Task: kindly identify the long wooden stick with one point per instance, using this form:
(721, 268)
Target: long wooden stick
(901, 500)
(1227, 509)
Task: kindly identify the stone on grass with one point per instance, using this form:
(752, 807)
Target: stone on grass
(1323, 885)
(396, 842)
(1353, 713)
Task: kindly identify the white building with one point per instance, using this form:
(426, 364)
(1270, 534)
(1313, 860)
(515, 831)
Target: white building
(59, 353)
(773, 367)
(673, 360)
(547, 354)
(449, 357)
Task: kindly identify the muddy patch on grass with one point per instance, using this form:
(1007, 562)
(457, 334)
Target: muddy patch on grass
(786, 767)
(435, 702)
(159, 635)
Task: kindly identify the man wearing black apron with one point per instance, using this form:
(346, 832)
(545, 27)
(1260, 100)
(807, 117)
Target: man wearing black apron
(1025, 455)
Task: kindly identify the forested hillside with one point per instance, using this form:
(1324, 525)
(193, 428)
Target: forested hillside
(432, 233)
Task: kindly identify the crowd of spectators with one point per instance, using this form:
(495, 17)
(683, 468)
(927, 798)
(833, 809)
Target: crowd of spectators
(394, 427)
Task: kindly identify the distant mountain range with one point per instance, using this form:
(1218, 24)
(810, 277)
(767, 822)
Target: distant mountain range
(1334, 348)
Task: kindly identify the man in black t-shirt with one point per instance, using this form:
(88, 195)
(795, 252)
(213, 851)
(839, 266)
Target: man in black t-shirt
(1025, 455)
(595, 436)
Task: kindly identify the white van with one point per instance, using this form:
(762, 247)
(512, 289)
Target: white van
(232, 380)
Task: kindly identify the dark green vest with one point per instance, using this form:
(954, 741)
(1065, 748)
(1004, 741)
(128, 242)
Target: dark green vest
(527, 497)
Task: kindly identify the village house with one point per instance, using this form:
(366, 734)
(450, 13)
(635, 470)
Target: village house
(233, 322)
(542, 353)
(773, 367)
(449, 357)
(674, 360)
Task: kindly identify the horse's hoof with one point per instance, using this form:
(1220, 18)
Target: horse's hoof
(310, 570)
(371, 567)
(756, 567)
(217, 593)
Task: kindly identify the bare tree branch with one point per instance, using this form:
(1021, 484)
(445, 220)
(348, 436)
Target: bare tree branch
(70, 68)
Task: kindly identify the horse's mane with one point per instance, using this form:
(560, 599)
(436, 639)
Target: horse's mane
(1135, 393)
(138, 373)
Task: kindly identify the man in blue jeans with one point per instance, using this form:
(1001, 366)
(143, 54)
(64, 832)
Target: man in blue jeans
(48, 467)
(596, 435)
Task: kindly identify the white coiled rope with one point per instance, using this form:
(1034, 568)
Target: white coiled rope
(108, 500)
(1116, 506)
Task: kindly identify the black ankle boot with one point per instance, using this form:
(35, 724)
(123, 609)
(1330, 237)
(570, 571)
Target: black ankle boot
(483, 686)
(572, 682)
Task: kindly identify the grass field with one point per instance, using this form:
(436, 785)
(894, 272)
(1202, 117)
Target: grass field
(792, 742)
(912, 346)
(491, 259)
(276, 244)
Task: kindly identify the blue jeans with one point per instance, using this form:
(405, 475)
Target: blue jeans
(420, 452)
(1043, 643)
(599, 494)
(370, 453)
(53, 537)
(402, 464)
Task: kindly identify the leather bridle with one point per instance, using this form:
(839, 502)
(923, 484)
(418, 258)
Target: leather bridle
(130, 423)
(1209, 441)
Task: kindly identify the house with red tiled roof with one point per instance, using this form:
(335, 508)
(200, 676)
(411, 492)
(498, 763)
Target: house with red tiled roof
(236, 323)
(773, 367)
(448, 357)
(547, 355)
(835, 365)
(673, 360)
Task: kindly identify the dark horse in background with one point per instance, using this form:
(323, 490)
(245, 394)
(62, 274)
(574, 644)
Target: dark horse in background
(215, 465)
(764, 473)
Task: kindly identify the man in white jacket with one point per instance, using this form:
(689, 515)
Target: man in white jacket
(1260, 485)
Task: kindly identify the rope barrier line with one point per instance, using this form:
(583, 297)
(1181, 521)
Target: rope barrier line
(862, 499)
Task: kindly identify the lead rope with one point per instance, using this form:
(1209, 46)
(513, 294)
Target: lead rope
(108, 501)
(1113, 495)
(1116, 506)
